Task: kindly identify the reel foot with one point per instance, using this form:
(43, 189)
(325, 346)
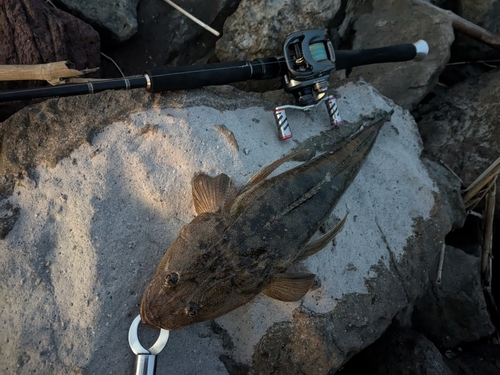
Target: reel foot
(284, 131)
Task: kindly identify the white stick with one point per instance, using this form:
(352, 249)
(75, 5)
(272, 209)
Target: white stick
(441, 262)
(190, 16)
(489, 215)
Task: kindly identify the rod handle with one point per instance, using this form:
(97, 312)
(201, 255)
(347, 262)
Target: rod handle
(145, 364)
(402, 52)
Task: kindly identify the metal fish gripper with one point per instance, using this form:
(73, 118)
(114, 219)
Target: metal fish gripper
(146, 358)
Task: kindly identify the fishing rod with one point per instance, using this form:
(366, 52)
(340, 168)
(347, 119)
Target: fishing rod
(307, 61)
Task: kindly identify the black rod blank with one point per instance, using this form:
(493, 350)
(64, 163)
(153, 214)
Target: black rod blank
(74, 89)
(192, 77)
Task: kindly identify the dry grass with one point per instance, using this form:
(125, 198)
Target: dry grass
(485, 186)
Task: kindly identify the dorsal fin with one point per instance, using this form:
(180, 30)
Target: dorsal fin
(211, 194)
(267, 170)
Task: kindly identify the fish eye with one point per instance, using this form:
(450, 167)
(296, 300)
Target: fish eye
(192, 309)
(171, 279)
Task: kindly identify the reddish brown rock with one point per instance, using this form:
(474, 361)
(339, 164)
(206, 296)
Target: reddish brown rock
(35, 32)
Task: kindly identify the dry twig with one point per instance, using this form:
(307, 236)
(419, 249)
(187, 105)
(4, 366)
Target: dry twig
(476, 191)
(486, 185)
(193, 18)
(451, 170)
(466, 27)
(488, 63)
(488, 236)
(114, 62)
(54, 73)
(441, 263)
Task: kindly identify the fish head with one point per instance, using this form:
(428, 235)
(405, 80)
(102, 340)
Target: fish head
(191, 284)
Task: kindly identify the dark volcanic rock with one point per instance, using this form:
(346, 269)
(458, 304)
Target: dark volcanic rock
(460, 126)
(454, 311)
(258, 28)
(486, 14)
(398, 351)
(390, 22)
(473, 359)
(164, 33)
(117, 17)
(8, 217)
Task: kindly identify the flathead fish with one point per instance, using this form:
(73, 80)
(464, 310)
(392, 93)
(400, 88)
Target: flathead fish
(243, 242)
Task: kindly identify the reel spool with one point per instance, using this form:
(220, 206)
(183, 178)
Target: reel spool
(310, 59)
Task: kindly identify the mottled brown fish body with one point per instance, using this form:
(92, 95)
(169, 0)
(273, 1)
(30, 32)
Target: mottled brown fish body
(241, 244)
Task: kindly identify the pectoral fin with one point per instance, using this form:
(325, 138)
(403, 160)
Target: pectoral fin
(289, 287)
(211, 194)
(314, 246)
(267, 170)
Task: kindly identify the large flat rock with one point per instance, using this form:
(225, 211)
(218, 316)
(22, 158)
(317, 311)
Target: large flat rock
(93, 226)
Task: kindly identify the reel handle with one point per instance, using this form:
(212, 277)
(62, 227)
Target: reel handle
(402, 52)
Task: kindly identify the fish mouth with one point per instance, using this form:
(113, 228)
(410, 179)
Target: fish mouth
(147, 318)
(150, 316)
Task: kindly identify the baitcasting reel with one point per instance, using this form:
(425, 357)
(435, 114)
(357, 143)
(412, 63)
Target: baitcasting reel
(310, 59)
